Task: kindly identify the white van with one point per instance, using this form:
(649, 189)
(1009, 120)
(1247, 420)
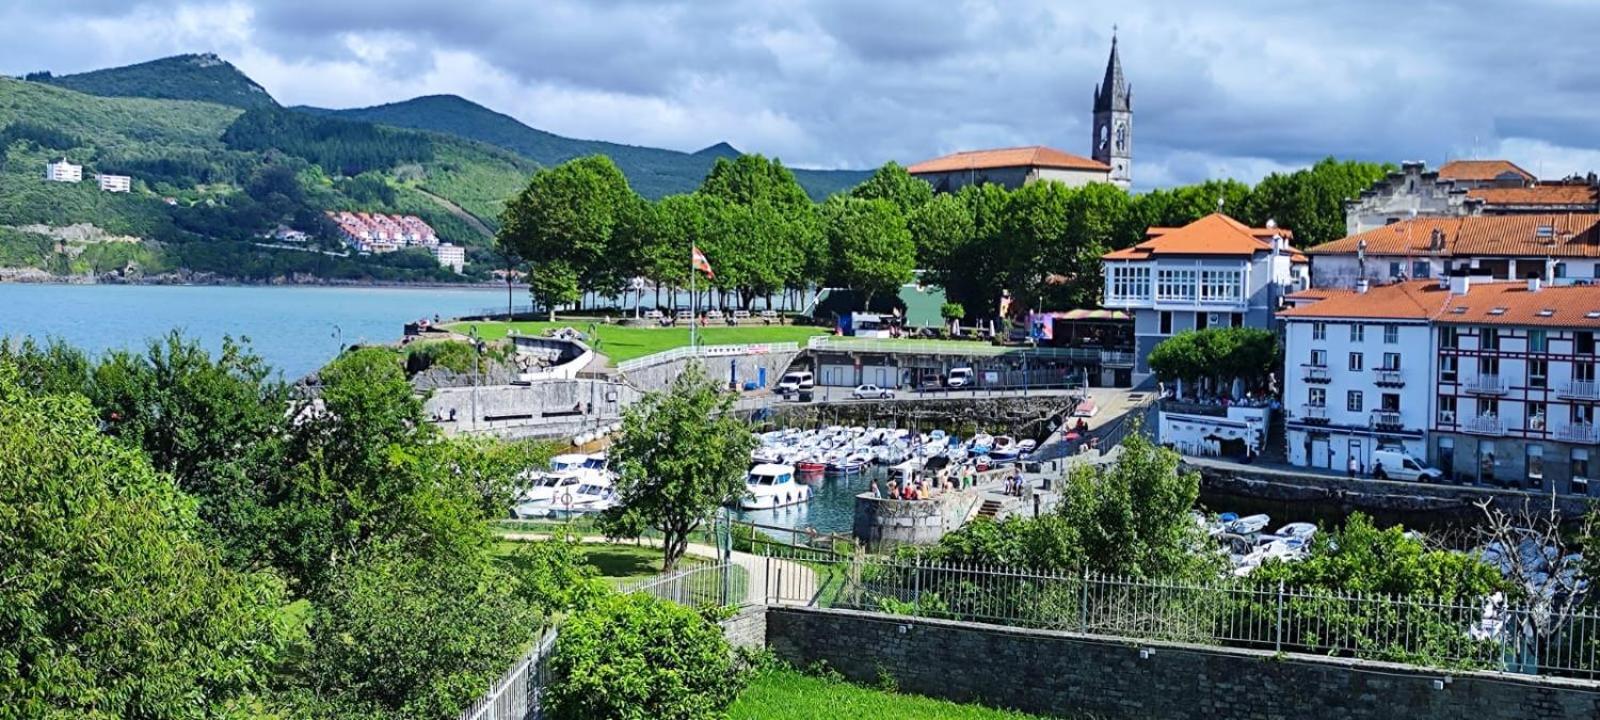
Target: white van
(1389, 464)
(796, 381)
(959, 378)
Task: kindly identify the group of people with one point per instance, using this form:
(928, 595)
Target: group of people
(923, 486)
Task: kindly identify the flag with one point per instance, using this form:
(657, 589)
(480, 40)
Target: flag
(700, 263)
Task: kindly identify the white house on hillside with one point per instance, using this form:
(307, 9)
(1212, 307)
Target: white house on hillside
(63, 171)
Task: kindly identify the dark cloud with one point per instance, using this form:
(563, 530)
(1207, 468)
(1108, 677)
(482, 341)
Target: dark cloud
(1238, 88)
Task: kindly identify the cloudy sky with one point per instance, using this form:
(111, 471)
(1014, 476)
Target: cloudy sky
(1221, 89)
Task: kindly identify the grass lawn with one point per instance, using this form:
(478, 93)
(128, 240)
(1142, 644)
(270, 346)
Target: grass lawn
(789, 695)
(625, 343)
(627, 564)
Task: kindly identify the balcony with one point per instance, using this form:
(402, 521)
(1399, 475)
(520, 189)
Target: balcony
(1484, 425)
(1314, 414)
(1116, 358)
(1581, 390)
(1387, 420)
(1317, 374)
(1485, 385)
(1578, 433)
(1388, 377)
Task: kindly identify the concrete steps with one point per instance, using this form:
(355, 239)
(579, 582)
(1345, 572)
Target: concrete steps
(989, 509)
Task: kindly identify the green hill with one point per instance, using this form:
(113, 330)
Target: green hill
(653, 172)
(204, 77)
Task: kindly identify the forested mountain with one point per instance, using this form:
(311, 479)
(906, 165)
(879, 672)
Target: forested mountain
(203, 77)
(652, 172)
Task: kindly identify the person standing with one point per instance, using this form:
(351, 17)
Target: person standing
(1353, 466)
(874, 489)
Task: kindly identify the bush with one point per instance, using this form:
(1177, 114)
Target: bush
(637, 657)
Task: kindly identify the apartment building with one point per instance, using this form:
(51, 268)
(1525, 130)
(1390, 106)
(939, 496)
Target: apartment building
(115, 183)
(63, 171)
(1491, 382)
(450, 256)
(1557, 248)
(1213, 272)
(380, 233)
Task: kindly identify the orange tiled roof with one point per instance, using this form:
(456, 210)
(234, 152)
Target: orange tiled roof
(1413, 300)
(1031, 156)
(1214, 234)
(1512, 303)
(1481, 170)
(1570, 235)
(1538, 195)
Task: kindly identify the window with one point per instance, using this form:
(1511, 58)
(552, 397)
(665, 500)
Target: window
(1319, 331)
(1449, 337)
(1395, 270)
(1583, 372)
(1390, 402)
(1316, 397)
(1538, 341)
(1202, 321)
(1355, 362)
(1535, 462)
(1580, 470)
(1538, 373)
(1583, 342)
(1238, 319)
(1447, 409)
(1358, 332)
(1352, 401)
(1175, 285)
(1220, 285)
(1319, 358)
(1488, 366)
(1419, 269)
(1561, 270)
(1535, 414)
(1488, 407)
(1447, 368)
(1582, 414)
(1166, 322)
(1488, 338)
(1129, 283)
(1391, 334)
(1391, 361)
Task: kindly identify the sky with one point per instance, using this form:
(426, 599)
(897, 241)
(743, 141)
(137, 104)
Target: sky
(1220, 89)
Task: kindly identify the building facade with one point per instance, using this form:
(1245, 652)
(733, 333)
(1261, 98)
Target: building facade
(1113, 121)
(380, 233)
(1213, 272)
(1492, 382)
(63, 171)
(115, 183)
(1464, 188)
(1557, 248)
(450, 256)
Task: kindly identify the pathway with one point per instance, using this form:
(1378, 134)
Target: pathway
(770, 580)
(459, 212)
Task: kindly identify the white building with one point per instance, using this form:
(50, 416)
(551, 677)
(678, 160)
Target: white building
(63, 171)
(1353, 376)
(1492, 382)
(450, 256)
(1558, 248)
(115, 183)
(1213, 272)
(1464, 188)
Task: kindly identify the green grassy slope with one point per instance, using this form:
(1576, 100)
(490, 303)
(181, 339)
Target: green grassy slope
(788, 695)
(203, 77)
(653, 172)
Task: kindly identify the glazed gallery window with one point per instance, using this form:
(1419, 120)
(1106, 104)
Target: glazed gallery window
(1129, 282)
(1175, 285)
(1221, 285)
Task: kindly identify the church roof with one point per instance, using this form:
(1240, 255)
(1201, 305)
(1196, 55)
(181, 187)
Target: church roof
(1483, 170)
(1113, 92)
(1030, 156)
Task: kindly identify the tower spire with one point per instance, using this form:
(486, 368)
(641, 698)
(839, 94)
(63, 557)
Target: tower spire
(1113, 93)
(1113, 120)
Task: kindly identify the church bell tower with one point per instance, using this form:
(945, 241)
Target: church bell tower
(1113, 121)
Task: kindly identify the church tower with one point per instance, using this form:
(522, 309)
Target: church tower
(1113, 121)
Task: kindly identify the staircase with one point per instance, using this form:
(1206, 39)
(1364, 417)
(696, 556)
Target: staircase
(989, 509)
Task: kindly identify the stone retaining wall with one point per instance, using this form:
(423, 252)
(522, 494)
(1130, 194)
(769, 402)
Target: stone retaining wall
(1071, 675)
(881, 523)
(747, 629)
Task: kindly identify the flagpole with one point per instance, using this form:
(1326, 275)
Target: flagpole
(694, 302)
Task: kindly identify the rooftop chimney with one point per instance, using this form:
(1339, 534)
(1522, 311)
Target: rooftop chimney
(1362, 285)
(1460, 284)
(1533, 284)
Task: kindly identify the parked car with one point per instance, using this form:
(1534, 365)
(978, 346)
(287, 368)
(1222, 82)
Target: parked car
(959, 378)
(863, 392)
(796, 381)
(1389, 464)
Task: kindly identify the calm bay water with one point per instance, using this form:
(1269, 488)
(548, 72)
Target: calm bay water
(297, 329)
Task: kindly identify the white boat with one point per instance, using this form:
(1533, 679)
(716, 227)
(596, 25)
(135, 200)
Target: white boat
(590, 497)
(1027, 446)
(771, 486)
(1297, 529)
(1004, 448)
(1248, 525)
(981, 443)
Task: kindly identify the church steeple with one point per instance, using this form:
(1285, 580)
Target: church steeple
(1113, 120)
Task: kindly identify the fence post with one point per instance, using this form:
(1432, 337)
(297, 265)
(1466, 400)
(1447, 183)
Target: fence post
(1083, 601)
(916, 585)
(1277, 633)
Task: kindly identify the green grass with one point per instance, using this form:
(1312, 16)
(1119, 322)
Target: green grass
(625, 343)
(789, 695)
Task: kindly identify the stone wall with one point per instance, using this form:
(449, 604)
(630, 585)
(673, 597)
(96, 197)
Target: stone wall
(747, 629)
(1057, 673)
(551, 408)
(881, 523)
(745, 368)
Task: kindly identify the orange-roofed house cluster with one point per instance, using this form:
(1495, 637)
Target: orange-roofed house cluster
(380, 233)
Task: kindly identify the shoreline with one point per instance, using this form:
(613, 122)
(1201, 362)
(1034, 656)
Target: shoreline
(78, 281)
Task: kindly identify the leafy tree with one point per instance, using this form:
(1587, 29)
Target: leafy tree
(638, 657)
(568, 218)
(754, 180)
(1310, 201)
(684, 454)
(54, 368)
(870, 245)
(553, 284)
(1219, 355)
(1034, 233)
(891, 182)
(405, 636)
(952, 313)
(1363, 558)
(109, 606)
(942, 229)
(1132, 517)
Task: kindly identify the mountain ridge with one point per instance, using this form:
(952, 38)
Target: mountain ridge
(204, 77)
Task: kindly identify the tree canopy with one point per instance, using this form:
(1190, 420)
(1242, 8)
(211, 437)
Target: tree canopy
(1219, 355)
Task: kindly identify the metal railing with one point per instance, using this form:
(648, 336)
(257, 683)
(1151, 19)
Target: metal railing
(1578, 433)
(1484, 425)
(1486, 385)
(1316, 373)
(680, 353)
(517, 695)
(1314, 413)
(1581, 390)
(1388, 377)
(961, 348)
(1467, 633)
(1386, 418)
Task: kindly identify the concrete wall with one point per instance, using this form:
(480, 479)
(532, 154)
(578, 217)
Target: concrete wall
(748, 628)
(540, 409)
(881, 523)
(1070, 675)
(747, 368)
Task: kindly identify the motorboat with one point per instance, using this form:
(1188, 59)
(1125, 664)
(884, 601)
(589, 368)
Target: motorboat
(771, 486)
(981, 444)
(1248, 525)
(590, 497)
(1004, 449)
(1027, 446)
(1297, 529)
(846, 464)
